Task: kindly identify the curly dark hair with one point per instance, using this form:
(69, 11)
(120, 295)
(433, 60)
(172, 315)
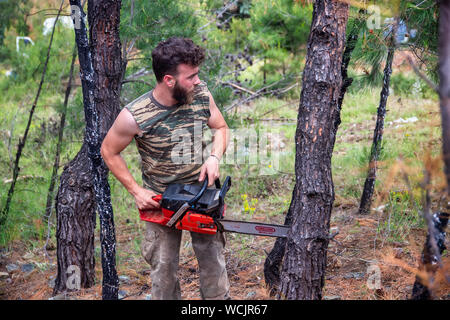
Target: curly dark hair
(170, 53)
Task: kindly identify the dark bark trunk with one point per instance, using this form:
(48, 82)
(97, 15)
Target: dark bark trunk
(75, 213)
(303, 268)
(369, 184)
(429, 262)
(275, 257)
(444, 82)
(84, 181)
(107, 62)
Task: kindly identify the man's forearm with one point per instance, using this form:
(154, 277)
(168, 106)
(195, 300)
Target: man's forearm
(119, 169)
(220, 142)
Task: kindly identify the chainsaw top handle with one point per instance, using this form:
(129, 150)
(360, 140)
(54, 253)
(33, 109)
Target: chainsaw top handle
(223, 191)
(200, 193)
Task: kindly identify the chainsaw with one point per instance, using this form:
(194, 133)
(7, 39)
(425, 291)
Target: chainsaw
(200, 209)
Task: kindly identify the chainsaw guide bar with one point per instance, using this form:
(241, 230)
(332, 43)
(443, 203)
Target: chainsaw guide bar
(254, 228)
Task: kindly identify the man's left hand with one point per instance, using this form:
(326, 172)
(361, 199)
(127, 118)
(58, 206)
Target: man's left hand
(210, 168)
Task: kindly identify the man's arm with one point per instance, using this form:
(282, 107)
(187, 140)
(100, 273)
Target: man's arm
(220, 142)
(117, 139)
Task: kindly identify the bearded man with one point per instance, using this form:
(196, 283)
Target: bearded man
(180, 106)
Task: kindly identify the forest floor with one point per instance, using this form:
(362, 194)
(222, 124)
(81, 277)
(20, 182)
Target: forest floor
(350, 275)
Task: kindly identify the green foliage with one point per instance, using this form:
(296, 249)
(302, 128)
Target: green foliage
(266, 47)
(279, 24)
(402, 84)
(402, 217)
(150, 23)
(13, 15)
(421, 33)
(422, 16)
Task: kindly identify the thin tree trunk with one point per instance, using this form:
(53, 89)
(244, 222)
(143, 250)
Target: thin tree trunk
(369, 184)
(275, 257)
(303, 268)
(22, 141)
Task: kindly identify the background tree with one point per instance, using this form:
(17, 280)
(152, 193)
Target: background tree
(369, 184)
(303, 269)
(274, 259)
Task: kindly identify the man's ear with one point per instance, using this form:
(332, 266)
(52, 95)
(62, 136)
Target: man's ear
(169, 80)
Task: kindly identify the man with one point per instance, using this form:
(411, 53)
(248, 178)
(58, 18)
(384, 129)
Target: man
(178, 107)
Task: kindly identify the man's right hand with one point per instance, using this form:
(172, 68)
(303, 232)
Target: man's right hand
(144, 201)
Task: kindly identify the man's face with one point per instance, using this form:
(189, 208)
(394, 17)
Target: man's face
(185, 82)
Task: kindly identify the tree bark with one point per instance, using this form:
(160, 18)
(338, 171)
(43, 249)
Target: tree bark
(422, 289)
(275, 257)
(108, 73)
(84, 180)
(303, 268)
(444, 82)
(369, 184)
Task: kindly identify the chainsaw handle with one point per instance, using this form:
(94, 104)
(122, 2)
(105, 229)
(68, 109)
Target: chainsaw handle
(200, 193)
(226, 186)
(223, 191)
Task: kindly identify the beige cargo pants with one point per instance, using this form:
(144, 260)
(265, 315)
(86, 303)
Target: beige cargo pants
(161, 248)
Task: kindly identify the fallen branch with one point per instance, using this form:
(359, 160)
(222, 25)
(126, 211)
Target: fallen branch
(237, 87)
(260, 92)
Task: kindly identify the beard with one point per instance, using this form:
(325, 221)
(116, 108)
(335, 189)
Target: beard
(181, 95)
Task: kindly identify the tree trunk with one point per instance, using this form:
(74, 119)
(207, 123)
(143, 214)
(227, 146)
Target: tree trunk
(303, 269)
(369, 185)
(84, 180)
(107, 62)
(422, 289)
(444, 82)
(75, 213)
(275, 257)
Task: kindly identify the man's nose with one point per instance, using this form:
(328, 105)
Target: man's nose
(197, 81)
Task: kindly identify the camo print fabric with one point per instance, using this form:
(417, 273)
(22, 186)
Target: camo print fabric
(171, 145)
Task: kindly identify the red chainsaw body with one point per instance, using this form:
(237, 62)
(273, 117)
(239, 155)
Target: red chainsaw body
(191, 221)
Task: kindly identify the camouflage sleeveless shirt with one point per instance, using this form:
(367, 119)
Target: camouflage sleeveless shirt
(171, 146)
